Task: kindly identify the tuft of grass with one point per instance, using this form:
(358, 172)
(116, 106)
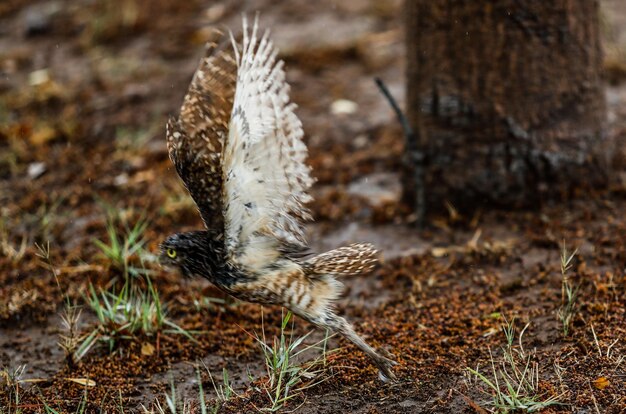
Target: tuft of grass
(124, 243)
(513, 383)
(172, 401)
(287, 377)
(70, 337)
(81, 408)
(175, 406)
(569, 292)
(223, 391)
(10, 380)
(127, 314)
(42, 223)
(43, 253)
(14, 252)
(135, 310)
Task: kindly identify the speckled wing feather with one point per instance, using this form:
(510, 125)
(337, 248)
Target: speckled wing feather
(266, 178)
(195, 140)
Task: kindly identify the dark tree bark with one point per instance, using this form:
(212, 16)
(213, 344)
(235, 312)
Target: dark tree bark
(506, 99)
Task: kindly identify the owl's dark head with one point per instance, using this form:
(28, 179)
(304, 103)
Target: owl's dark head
(192, 252)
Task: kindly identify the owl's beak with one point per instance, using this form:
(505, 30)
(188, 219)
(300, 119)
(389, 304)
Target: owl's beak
(172, 266)
(166, 262)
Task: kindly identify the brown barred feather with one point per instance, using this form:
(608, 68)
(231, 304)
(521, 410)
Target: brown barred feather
(349, 260)
(195, 140)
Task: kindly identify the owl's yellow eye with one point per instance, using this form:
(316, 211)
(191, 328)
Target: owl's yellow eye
(171, 253)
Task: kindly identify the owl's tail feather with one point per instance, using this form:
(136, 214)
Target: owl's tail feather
(317, 305)
(349, 260)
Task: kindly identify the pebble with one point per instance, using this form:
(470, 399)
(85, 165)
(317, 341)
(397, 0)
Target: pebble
(36, 169)
(343, 107)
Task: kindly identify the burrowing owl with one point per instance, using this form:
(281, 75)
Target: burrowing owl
(237, 145)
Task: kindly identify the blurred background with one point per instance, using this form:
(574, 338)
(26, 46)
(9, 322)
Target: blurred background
(85, 89)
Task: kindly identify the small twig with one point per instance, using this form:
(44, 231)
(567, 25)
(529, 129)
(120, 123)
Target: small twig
(595, 339)
(593, 398)
(521, 347)
(414, 158)
(406, 126)
(608, 349)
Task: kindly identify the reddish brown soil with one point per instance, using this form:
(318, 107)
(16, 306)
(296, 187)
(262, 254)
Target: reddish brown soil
(96, 123)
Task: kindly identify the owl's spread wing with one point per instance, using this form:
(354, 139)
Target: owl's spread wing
(265, 176)
(195, 140)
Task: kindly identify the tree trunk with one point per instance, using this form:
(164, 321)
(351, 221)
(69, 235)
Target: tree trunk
(507, 99)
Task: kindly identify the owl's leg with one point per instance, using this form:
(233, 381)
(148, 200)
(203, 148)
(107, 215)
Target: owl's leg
(341, 325)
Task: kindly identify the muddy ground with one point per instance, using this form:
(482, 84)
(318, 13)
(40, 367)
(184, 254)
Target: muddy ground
(86, 87)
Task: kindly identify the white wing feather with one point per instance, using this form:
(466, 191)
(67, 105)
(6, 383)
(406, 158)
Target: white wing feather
(265, 177)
